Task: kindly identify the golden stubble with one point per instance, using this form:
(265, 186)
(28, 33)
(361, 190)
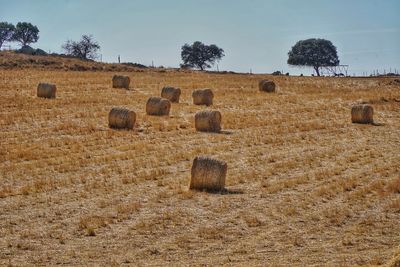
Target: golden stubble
(302, 179)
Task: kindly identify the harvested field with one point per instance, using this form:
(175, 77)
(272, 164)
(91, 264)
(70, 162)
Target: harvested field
(305, 186)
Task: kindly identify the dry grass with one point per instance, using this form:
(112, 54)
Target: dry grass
(311, 187)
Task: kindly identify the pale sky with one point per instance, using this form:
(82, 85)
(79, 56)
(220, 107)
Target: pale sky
(255, 34)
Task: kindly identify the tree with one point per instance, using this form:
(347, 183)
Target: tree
(314, 53)
(199, 55)
(6, 32)
(86, 48)
(25, 33)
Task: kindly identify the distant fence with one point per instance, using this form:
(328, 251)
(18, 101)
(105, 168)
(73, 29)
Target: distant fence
(343, 70)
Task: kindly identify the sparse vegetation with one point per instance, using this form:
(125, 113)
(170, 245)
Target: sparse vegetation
(86, 48)
(31, 51)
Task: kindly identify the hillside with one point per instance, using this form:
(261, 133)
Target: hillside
(305, 185)
(13, 60)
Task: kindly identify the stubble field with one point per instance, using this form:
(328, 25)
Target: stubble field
(305, 185)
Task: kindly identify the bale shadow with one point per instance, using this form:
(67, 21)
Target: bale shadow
(222, 132)
(226, 132)
(371, 123)
(227, 191)
(224, 191)
(120, 129)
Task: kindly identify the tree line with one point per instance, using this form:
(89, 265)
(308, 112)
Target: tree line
(315, 53)
(26, 33)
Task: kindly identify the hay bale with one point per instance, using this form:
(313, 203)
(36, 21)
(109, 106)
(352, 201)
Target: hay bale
(266, 86)
(203, 97)
(120, 81)
(208, 174)
(208, 121)
(121, 118)
(46, 90)
(362, 113)
(158, 106)
(171, 93)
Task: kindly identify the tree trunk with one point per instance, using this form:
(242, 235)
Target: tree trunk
(24, 41)
(316, 68)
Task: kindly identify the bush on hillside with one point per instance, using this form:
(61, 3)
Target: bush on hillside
(277, 73)
(137, 65)
(27, 50)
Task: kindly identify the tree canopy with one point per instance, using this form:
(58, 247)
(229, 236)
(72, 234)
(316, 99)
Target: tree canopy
(199, 55)
(6, 32)
(25, 33)
(86, 48)
(314, 53)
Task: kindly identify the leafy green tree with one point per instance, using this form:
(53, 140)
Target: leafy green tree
(314, 53)
(86, 48)
(6, 32)
(199, 55)
(25, 33)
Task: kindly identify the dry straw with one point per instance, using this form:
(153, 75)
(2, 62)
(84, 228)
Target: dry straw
(208, 121)
(208, 174)
(46, 90)
(362, 113)
(203, 97)
(120, 81)
(158, 106)
(395, 261)
(266, 86)
(171, 93)
(121, 118)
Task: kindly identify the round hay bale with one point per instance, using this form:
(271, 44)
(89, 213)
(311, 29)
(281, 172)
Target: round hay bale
(208, 174)
(120, 81)
(171, 93)
(121, 118)
(266, 86)
(362, 113)
(46, 90)
(203, 97)
(208, 121)
(158, 106)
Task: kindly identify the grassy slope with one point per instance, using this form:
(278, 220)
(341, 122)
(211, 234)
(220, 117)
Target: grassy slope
(12, 60)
